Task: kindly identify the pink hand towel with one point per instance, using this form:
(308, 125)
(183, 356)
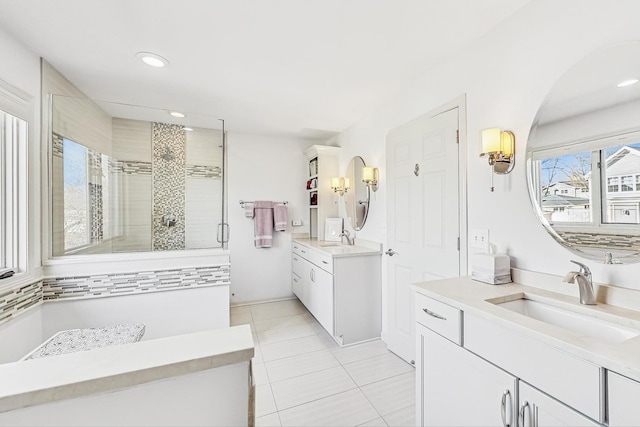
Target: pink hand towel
(263, 224)
(280, 218)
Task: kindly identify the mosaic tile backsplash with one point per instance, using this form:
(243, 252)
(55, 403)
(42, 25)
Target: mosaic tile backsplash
(134, 283)
(601, 240)
(14, 302)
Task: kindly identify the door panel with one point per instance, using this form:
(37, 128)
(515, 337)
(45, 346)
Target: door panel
(422, 216)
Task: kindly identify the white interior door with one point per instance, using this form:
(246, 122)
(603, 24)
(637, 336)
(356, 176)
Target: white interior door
(423, 227)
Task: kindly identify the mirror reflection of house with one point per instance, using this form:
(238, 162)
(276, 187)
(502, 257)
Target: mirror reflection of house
(623, 185)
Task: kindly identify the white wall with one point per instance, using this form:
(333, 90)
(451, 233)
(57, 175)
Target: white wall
(20, 335)
(163, 313)
(264, 168)
(506, 76)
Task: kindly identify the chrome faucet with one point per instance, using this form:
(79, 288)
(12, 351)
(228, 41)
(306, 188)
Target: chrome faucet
(585, 285)
(347, 235)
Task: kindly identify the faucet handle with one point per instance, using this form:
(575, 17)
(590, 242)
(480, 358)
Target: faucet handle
(583, 268)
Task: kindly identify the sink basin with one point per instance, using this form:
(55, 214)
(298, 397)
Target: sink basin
(329, 244)
(584, 324)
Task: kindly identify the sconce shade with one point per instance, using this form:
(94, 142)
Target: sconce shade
(368, 174)
(340, 185)
(370, 177)
(499, 146)
(491, 140)
(507, 142)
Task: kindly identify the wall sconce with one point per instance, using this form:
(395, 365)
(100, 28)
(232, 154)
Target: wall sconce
(500, 147)
(340, 185)
(370, 177)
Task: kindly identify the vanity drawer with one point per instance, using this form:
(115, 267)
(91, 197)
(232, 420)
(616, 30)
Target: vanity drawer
(301, 250)
(322, 260)
(296, 264)
(439, 317)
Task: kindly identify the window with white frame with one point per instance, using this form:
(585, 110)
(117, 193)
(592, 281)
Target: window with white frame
(15, 109)
(13, 159)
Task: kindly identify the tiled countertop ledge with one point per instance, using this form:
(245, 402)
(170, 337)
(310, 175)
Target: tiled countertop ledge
(38, 381)
(471, 297)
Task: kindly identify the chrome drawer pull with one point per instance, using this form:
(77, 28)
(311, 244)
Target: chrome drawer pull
(434, 314)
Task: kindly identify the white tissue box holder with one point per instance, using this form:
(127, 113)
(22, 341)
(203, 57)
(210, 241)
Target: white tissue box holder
(494, 269)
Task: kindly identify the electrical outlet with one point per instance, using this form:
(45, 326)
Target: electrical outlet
(296, 222)
(479, 239)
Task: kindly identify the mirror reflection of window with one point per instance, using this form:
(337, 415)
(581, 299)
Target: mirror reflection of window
(566, 188)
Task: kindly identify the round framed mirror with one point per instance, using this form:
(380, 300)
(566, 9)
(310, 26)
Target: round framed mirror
(356, 199)
(583, 157)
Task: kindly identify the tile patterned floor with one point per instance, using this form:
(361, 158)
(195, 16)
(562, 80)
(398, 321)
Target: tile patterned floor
(303, 378)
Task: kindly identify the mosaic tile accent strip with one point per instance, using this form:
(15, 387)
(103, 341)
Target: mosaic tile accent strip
(597, 240)
(94, 159)
(130, 167)
(14, 302)
(96, 210)
(57, 145)
(107, 285)
(169, 157)
(202, 171)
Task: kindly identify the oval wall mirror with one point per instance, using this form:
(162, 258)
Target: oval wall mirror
(583, 157)
(356, 199)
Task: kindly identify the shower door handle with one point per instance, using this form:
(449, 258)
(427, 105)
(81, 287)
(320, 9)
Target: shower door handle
(223, 233)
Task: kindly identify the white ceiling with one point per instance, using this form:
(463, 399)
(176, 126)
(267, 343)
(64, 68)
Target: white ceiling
(303, 68)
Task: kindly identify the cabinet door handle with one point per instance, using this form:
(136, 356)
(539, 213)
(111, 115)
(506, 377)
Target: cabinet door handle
(312, 275)
(295, 259)
(295, 280)
(303, 251)
(434, 314)
(503, 408)
(523, 408)
(325, 262)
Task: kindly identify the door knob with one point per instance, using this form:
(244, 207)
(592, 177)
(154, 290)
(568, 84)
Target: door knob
(391, 252)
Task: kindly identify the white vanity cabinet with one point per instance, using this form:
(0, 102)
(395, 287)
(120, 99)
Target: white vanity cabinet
(457, 388)
(341, 287)
(623, 400)
(477, 373)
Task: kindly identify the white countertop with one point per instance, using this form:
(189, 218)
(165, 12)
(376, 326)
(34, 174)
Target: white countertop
(337, 249)
(471, 297)
(38, 381)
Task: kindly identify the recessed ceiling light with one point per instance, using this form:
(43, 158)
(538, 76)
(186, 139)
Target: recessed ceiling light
(627, 82)
(152, 59)
(177, 114)
(188, 129)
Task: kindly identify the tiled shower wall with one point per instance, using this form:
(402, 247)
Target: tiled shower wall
(155, 169)
(169, 144)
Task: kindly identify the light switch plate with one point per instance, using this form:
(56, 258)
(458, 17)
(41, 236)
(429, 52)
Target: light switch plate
(479, 239)
(296, 222)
